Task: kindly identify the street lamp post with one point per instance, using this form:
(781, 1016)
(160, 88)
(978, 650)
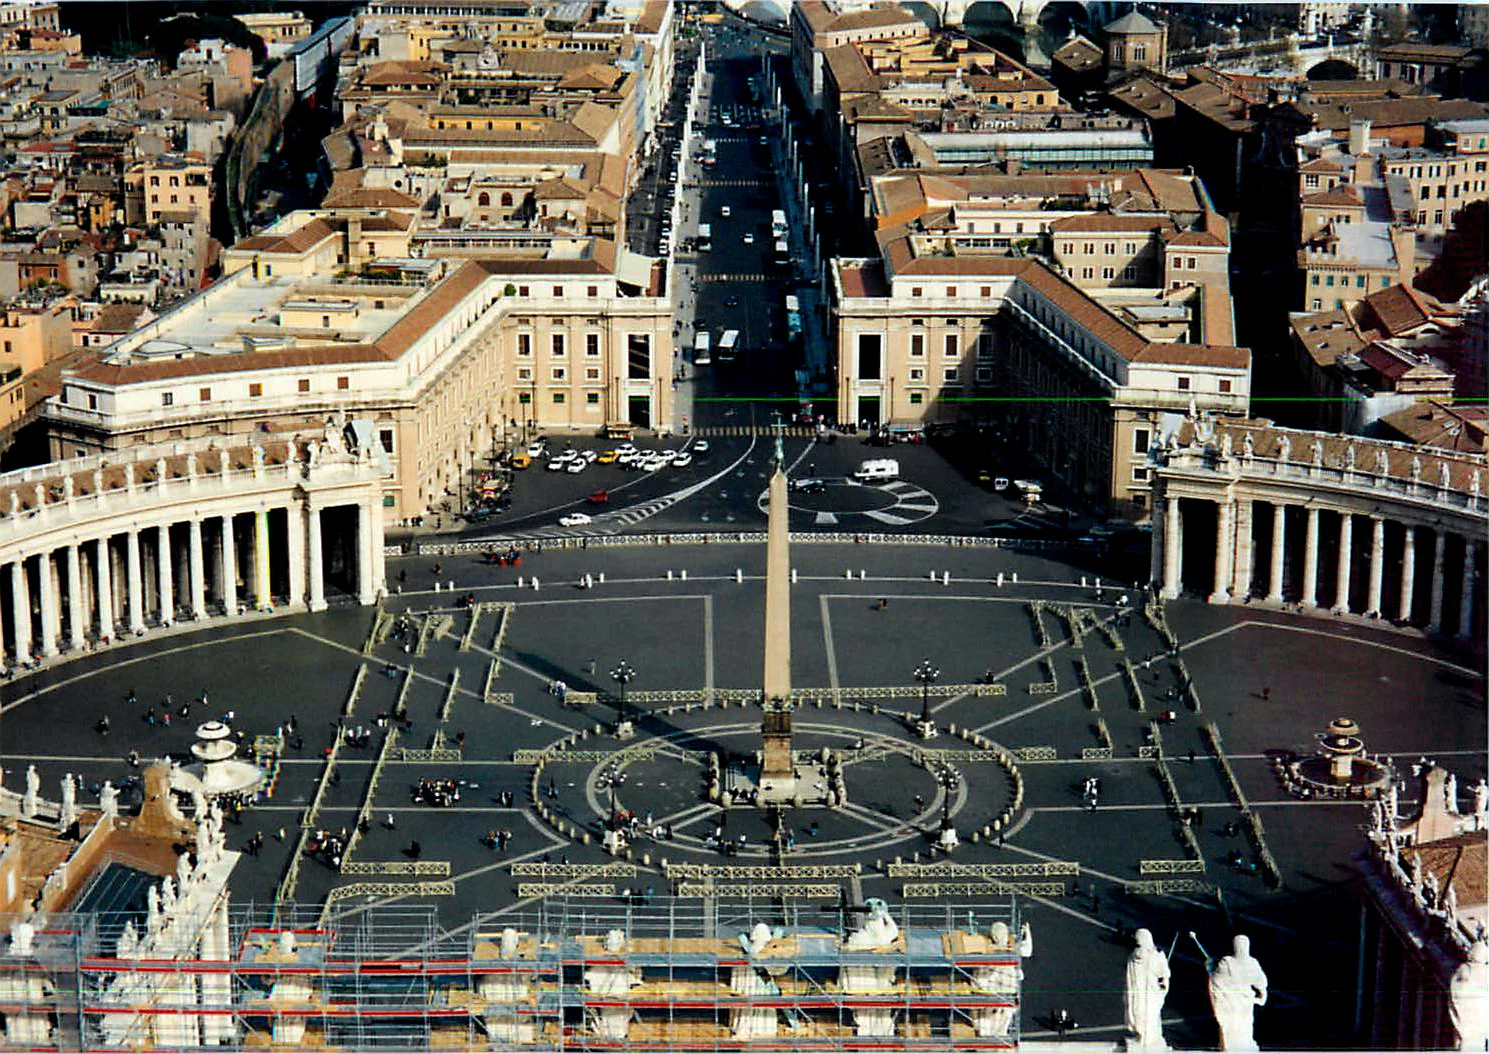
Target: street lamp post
(927, 675)
(622, 674)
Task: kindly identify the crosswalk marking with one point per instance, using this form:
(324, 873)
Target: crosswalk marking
(735, 278)
(826, 519)
(734, 183)
(721, 431)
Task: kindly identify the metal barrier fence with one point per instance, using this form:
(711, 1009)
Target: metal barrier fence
(759, 872)
(923, 890)
(526, 890)
(1161, 887)
(1037, 869)
(353, 890)
(756, 890)
(1037, 753)
(416, 868)
(541, 869)
(1170, 867)
(617, 541)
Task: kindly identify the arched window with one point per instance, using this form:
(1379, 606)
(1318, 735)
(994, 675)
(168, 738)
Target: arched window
(506, 199)
(484, 199)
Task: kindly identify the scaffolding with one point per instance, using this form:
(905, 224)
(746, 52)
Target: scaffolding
(567, 974)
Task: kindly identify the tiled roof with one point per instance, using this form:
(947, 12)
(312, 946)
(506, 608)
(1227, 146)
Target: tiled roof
(1193, 355)
(1078, 54)
(1106, 222)
(370, 198)
(1343, 194)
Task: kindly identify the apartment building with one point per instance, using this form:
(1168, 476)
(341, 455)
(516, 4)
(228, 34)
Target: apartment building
(176, 183)
(924, 336)
(279, 30)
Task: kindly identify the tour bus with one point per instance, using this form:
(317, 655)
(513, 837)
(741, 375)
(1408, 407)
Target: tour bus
(701, 345)
(705, 237)
(729, 346)
(778, 223)
(710, 153)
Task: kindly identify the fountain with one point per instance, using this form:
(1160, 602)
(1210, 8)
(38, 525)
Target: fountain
(218, 771)
(1340, 768)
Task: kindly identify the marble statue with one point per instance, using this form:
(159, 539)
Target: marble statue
(129, 942)
(1000, 935)
(129, 476)
(108, 800)
(1285, 449)
(69, 800)
(203, 837)
(183, 870)
(198, 804)
(1450, 792)
(1474, 486)
(615, 940)
(224, 465)
(1026, 941)
(15, 504)
(1414, 873)
(152, 911)
(33, 790)
(22, 938)
(1480, 804)
(755, 941)
(67, 488)
(1147, 988)
(161, 473)
(41, 495)
(1450, 904)
(1393, 802)
(334, 443)
(313, 453)
(1416, 470)
(98, 481)
(168, 895)
(878, 930)
(1382, 463)
(1431, 887)
(1468, 999)
(1444, 476)
(1248, 446)
(1237, 987)
(191, 465)
(1225, 445)
(1349, 458)
(1317, 449)
(510, 941)
(258, 459)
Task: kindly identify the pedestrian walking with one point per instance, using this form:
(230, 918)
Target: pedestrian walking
(1266, 695)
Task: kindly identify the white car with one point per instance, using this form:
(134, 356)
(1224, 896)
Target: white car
(682, 460)
(724, 211)
(588, 456)
(749, 239)
(668, 456)
(556, 464)
(651, 463)
(576, 466)
(574, 519)
(536, 448)
(625, 457)
(701, 446)
(626, 448)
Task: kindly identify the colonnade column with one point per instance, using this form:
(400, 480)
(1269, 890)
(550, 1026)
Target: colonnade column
(1439, 554)
(1279, 553)
(1155, 550)
(47, 593)
(167, 589)
(75, 617)
(366, 591)
(1171, 550)
(1225, 533)
(134, 582)
(1241, 584)
(1408, 570)
(105, 590)
(1465, 609)
(261, 597)
(198, 569)
(1346, 554)
(1310, 560)
(229, 568)
(20, 610)
(317, 574)
(379, 564)
(294, 532)
(1377, 565)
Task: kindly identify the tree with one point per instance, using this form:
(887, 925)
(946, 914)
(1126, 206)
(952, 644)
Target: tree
(169, 37)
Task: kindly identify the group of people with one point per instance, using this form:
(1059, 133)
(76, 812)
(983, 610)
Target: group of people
(441, 793)
(1091, 792)
(509, 558)
(330, 846)
(498, 840)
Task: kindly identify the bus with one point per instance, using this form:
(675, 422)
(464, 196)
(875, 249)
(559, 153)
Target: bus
(728, 346)
(701, 345)
(778, 223)
(705, 237)
(793, 317)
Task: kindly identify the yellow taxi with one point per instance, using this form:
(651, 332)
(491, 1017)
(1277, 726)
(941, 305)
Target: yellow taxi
(521, 460)
(608, 457)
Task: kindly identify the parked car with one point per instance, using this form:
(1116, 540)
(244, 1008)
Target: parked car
(575, 519)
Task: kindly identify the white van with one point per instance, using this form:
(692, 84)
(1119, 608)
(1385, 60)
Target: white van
(878, 470)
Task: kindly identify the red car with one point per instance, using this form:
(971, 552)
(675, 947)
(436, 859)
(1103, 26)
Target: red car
(599, 497)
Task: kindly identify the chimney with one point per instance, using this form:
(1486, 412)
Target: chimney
(353, 236)
(1359, 135)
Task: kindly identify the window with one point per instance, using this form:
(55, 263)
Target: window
(1310, 181)
(558, 345)
(592, 345)
(638, 356)
(303, 385)
(522, 290)
(984, 346)
(1139, 473)
(1193, 262)
(951, 344)
(592, 373)
(1140, 440)
(559, 373)
(255, 390)
(917, 398)
(558, 291)
(343, 384)
(984, 375)
(385, 436)
(1087, 272)
(1139, 53)
(1089, 249)
(950, 375)
(917, 375)
(484, 200)
(1317, 304)
(869, 348)
(592, 291)
(987, 291)
(1225, 387)
(1110, 248)
(1129, 273)
(917, 345)
(524, 373)
(204, 395)
(168, 398)
(1108, 273)
(524, 344)
(1183, 384)
(506, 199)
(524, 398)
(916, 291)
(951, 292)
(592, 398)
(558, 398)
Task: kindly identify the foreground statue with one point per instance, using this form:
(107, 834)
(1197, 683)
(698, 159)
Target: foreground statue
(1237, 988)
(1147, 988)
(1468, 995)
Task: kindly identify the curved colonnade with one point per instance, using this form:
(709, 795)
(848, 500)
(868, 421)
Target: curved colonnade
(1357, 526)
(102, 547)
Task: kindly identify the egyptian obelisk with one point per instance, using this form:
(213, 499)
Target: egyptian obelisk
(777, 771)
